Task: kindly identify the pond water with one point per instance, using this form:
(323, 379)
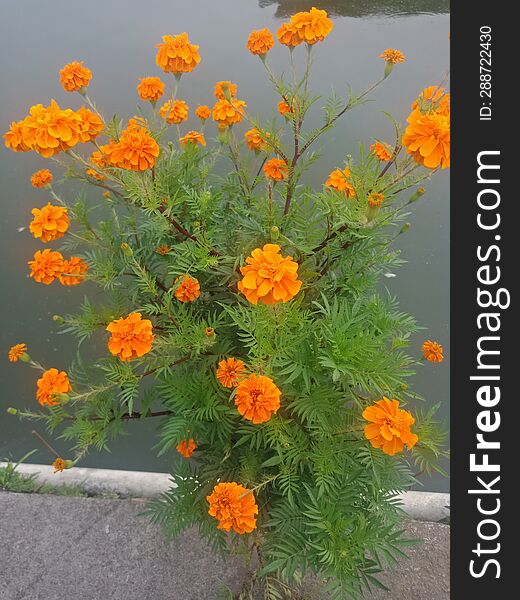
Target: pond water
(117, 40)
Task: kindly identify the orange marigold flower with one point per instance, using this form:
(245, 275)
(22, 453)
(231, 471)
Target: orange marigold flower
(99, 158)
(226, 114)
(49, 223)
(51, 384)
(186, 449)
(131, 337)
(95, 174)
(177, 55)
(311, 26)
(389, 426)
(257, 398)
(74, 76)
(188, 289)
(46, 266)
(234, 507)
(338, 180)
(16, 352)
(209, 332)
(284, 108)
(193, 137)
(175, 111)
(14, 138)
(41, 178)
(276, 169)
(260, 42)
(427, 139)
(163, 249)
(203, 112)
(150, 88)
(225, 90)
(288, 36)
(136, 149)
(433, 98)
(73, 271)
(51, 129)
(59, 465)
(255, 139)
(393, 56)
(231, 371)
(91, 126)
(432, 351)
(269, 277)
(375, 199)
(382, 151)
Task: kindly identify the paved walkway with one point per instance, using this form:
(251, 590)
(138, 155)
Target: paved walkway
(62, 548)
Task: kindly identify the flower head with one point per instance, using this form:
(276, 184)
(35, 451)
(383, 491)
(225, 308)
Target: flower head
(95, 174)
(91, 125)
(51, 384)
(49, 223)
(225, 90)
(41, 178)
(74, 76)
(186, 449)
(14, 138)
(382, 151)
(136, 149)
(225, 114)
(131, 337)
(231, 371)
(177, 55)
(255, 139)
(260, 42)
(209, 331)
(284, 108)
(73, 271)
(188, 288)
(269, 277)
(59, 465)
(310, 27)
(193, 137)
(234, 507)
(433, 98)
(389, 426)
(163, 249)
(150, 88)
(432, 351)
(257, 398)
(46, 266)
(427, 138)
(338, 180)
(375, 199)
(276, 169)
(203, 112)
(288, 36)
(393, 56)
(175, 111)
(16, 352)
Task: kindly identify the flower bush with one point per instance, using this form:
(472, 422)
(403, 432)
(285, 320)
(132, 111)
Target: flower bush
(244, 311)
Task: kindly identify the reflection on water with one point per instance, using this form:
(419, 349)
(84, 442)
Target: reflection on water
(119, 49)
(360, 8)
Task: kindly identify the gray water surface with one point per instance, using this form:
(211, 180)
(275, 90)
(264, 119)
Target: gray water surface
(117, 40)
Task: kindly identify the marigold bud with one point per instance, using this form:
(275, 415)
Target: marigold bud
(417, 194)
(405, 228)
(126, 249)
(58, 319)
(275, 232)
(389, 67)
(12, 411)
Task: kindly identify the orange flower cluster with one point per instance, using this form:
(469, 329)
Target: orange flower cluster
(382, 151)
(389, 426)
(177, 55)
(50, 222)
(175, 111)
(203, 112)
(269, 277)
(73, 271)
(188, 289)
(193, 137)
(59, 465)
(16, 352)
(284, 108)
(51, 384)
(226, 114)
(131, 337)
(136, 149)
(256, 140)
(427, 138)
(432, 351)
(260, 42)
(338, 180)
(74, 76)
(393, 56)
(150, 88)
(234, 507)
(41, 178)
(375, 199)
(186, 449)
(309, 27)
(257, 398)
(46, 266)
(49, 130)
(230, 372)
(276, 169)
